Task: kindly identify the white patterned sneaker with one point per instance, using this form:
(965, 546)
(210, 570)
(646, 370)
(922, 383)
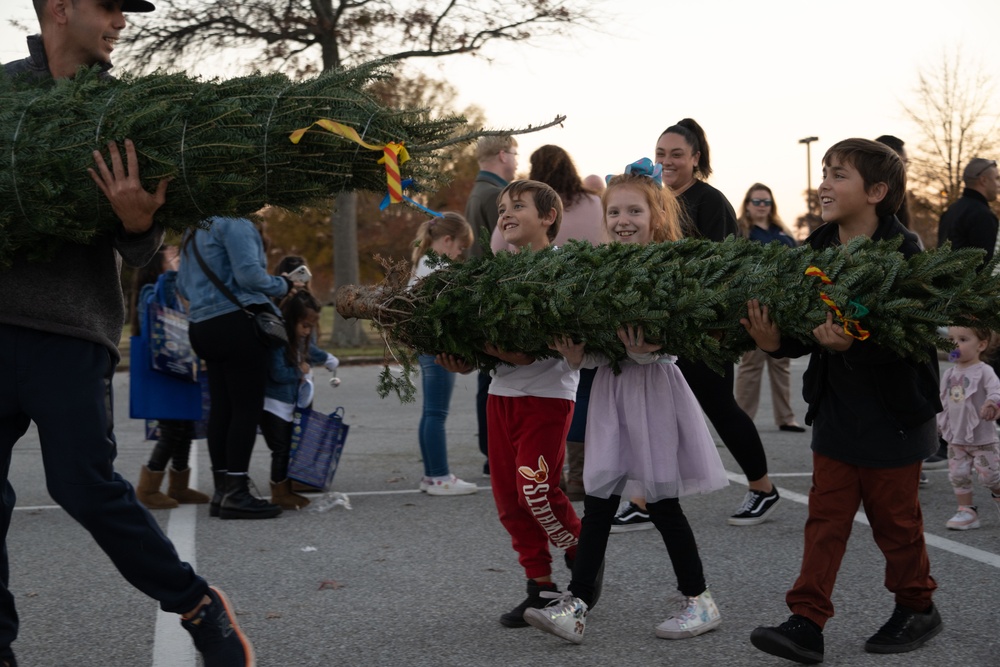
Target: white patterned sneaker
(691, 617)
(564, 617)
(966, 518)
(447, 486)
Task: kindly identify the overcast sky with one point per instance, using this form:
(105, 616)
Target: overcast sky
(758, 76)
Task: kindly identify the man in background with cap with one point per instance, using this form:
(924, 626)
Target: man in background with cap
(63, 319)
(969, 222)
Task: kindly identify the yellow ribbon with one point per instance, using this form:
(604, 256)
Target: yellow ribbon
(393, 154)
(861, 334)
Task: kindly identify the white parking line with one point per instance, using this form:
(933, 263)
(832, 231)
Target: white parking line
(172, 645)
(943, 543)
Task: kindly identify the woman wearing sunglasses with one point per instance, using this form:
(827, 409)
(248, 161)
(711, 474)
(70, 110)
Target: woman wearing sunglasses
(759, 222)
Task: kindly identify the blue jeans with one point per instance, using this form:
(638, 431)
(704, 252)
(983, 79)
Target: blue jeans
(437, 384)
(63, 384)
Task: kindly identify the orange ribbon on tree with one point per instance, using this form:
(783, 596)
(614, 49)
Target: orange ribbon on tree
(858, 333)
(393, 154)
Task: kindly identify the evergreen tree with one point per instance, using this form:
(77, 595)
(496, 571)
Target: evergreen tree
(688, 296)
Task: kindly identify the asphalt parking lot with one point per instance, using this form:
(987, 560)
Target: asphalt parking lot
(403, 578)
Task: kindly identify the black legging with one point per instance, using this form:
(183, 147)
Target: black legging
(669, 519)
(738, 432)
(237, 364)
(174, 443)
(278, 435)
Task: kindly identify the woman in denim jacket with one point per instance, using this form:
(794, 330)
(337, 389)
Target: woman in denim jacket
(236, 359)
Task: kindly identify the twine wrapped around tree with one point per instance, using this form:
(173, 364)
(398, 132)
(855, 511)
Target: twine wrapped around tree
(688, 295)
(225, 143)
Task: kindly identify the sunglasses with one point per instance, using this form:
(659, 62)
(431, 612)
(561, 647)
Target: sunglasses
(761, 202)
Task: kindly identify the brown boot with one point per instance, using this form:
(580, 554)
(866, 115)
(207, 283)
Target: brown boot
(148, 490)
(282, 496)
(178, 489)
(574, 477)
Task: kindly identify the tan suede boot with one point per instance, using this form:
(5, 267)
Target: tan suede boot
(179, 490)
(282, 496)
(574, 477)
(148, 490)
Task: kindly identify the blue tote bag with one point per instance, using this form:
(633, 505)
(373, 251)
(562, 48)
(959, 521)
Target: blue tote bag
(317, 442)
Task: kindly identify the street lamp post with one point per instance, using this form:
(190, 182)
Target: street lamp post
(809, 187)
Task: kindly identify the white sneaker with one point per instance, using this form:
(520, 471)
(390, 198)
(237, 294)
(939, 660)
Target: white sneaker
(966, 518)
(691, 617)
(447, 486)
(565, 617)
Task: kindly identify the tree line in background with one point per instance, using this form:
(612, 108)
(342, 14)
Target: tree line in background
(954, 109)
(955, 113)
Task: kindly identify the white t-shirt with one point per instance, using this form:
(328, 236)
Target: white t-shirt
(545, 378)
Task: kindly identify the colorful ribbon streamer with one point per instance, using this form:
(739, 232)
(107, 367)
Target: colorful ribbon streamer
(393, 154)
(408, 183)
(861, 334)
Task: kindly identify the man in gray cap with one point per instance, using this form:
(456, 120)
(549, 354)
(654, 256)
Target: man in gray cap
(63, 319)
(969, 222)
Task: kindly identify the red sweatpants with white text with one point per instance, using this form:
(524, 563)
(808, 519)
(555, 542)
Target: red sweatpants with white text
(527, 444)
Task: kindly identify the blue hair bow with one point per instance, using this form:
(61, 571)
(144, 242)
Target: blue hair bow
(408, 183)
(644, 167)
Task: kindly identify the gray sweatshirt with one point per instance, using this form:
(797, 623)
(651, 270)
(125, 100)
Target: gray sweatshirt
(78, 293)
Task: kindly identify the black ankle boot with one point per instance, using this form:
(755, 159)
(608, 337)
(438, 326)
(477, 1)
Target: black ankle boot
(239, 503)
(220, 490)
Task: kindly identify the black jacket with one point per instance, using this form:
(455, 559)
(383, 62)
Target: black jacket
(868, 406)
(969, 223)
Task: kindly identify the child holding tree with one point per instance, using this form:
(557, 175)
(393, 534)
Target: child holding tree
(529, 410)
(644, 428)
(873, 416)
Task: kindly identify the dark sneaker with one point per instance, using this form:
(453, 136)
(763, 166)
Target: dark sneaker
(630, 517)
(217, 636)
(906, 630)
(756, 506)
(515, 617)
(797, 639)
(924, 480)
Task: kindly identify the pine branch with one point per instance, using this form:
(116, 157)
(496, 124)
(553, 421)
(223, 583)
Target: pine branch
(689, 296)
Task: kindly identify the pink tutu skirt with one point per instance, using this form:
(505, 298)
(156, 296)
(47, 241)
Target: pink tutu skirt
(645, 428)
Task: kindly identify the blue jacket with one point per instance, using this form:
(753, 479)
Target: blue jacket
(232, 248)
(282, 378)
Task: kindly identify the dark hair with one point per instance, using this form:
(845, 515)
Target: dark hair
(773, 219)
(289, 263)
(877, 163)
(293, 309)
(553, 166)
(544, 197)
(895, 143)
(695, 138)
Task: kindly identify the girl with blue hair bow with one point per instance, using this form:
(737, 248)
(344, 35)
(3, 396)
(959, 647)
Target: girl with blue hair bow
(645, 434)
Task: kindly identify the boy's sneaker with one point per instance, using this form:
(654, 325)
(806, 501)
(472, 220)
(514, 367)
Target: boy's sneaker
(924, 480)
(756, 507)
(565, 617)
(797, 639)
(691, 617)
(966, 518)
(217, 636)
(447, 486)
(905, 630)
(630, 517)
(515, 617)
